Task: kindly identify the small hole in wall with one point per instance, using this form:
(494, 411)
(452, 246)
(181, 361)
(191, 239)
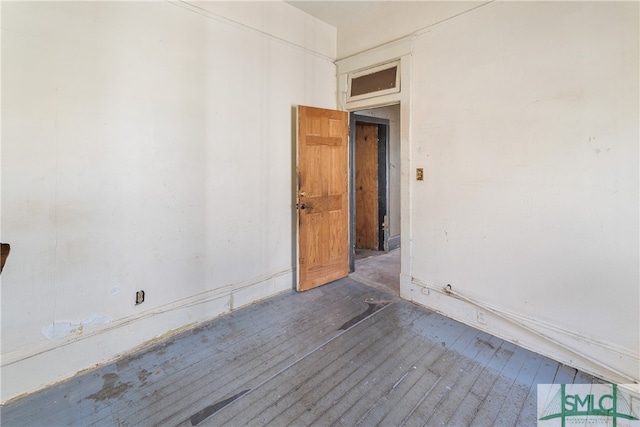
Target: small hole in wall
(139, 297)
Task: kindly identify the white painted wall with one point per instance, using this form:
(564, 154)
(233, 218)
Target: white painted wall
(380, 22)
(524, 116)
(145, 145)
(525, 119)
(148, 146)
(391, 113)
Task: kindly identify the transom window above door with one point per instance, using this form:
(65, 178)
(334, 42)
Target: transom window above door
(381, 80)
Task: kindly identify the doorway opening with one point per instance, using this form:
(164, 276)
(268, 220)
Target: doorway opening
(374, 139)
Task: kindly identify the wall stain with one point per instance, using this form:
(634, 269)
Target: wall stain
(202, 415)
(110, 390)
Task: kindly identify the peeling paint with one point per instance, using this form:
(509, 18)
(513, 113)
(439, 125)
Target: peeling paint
(111, 389)
(143, 375)
(58, 330)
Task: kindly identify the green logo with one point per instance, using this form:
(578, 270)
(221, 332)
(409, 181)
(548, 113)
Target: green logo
(591, 404)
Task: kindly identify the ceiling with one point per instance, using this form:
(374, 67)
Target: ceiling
(365, 24)
(339, 13)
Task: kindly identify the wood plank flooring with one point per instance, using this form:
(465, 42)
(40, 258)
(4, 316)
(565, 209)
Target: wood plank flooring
(344, 354)
(378, 269)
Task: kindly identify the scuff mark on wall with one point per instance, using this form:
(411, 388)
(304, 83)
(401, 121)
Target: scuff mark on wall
(58, 330)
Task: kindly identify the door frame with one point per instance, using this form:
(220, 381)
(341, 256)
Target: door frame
(383, 182)
(402, 50)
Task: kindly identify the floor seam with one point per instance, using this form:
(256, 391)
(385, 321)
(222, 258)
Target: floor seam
(301, 358)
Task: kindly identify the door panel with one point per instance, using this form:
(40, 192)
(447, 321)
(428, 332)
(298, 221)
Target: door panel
(366, 186)
(323, 209)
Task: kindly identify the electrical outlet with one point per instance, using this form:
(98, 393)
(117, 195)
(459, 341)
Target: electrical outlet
(481, 317)
(139, 297)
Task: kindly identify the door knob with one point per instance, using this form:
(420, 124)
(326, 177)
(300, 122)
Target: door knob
(303, 206)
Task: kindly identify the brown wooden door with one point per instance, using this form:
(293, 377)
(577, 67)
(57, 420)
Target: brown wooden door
(323, 200)
(366, 186)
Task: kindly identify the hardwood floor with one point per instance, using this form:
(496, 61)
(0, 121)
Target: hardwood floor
(378, 269)
(343, 354)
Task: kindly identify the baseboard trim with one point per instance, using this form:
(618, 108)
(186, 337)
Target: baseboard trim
(607, 361)
(394, 242)
(25, 372)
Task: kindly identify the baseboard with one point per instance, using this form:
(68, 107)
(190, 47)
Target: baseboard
(394, 242)
(607, 361)
(27, 371)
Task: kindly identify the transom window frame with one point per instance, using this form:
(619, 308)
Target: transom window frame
(373, 70)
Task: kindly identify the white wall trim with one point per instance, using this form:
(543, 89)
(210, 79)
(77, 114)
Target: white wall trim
(549, 340)
(377, 56)
(406, 250)
(351, 76)
(215, 16)
(397, 50)
(426, 29)
(373, 102)
(199, 299)
(88, 348)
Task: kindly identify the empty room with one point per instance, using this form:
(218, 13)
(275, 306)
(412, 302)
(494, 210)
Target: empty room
(320, 213)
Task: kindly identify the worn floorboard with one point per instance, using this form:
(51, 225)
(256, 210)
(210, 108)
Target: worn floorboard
(344, 354)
